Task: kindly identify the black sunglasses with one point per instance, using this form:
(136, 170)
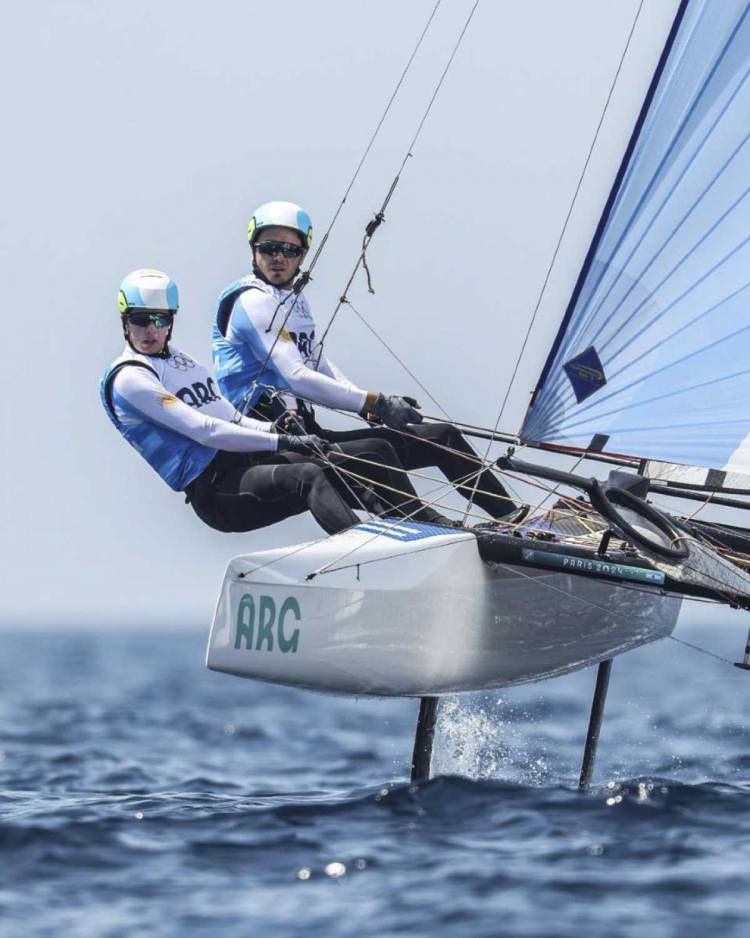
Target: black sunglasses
(272, 248)
(143, 317)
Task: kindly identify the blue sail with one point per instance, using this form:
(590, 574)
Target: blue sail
(653, 356)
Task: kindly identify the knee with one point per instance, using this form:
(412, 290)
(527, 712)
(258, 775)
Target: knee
(309, 474)
(383, 451)
(444, 433)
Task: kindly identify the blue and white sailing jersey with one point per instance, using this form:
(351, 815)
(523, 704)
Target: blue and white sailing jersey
(171, 411)
(256, 345)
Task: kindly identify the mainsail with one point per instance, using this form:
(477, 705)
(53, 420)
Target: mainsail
(652, 358)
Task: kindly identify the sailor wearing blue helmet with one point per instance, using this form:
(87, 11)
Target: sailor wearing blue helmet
(269, 363)
(237, 472)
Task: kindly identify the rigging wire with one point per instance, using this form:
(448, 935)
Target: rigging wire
(584, 601)
(392, 351)
(305, 277)
(449, 485)
(567, 218)
(704, 504)
(362, 261)
(372, 138)
(308, 544)
(373, 225)
(330, 568)
(380, 215)
(484, 463)
(719, 587)
(703, 651)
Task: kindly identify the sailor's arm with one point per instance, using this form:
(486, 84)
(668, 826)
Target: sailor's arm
(225, 410)
(326, 367)
(144, 392)
(303, 381)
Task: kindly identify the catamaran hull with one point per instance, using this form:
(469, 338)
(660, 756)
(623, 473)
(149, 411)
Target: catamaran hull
(367, 613)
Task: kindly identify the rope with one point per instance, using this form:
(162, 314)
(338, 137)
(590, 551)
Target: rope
(703, 651)
(379, 217)
(305, 277)
(308, 544)
(701, 506)
(399, 360)
(472, 457)
(567, 219)
(443, 483)
(372, 139)
(337, 469)
(329, 567)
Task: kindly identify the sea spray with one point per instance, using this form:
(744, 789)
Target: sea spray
(481, 736)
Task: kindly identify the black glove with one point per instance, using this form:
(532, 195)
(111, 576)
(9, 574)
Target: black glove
(396, 411)
(306, 445)
(291, 423)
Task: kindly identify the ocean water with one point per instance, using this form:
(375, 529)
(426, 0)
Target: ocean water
(142, 795)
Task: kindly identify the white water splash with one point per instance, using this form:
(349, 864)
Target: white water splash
(481, 737)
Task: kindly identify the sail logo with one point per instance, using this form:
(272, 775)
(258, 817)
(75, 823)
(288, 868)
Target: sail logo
(274, 631)
(585, 373)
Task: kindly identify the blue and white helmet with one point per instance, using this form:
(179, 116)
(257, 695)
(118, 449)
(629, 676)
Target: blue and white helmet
(148, 289)
(284, 215)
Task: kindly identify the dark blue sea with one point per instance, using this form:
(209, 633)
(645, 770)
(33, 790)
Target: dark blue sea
(142, 795)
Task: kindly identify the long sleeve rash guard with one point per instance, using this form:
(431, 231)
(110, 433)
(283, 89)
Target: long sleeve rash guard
(171, 411)
(257, 334)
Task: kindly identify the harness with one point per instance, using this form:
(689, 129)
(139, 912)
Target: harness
(110, 379)
(227, 301)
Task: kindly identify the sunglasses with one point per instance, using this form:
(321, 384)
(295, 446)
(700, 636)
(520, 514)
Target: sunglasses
(272, 248)
(143, 317)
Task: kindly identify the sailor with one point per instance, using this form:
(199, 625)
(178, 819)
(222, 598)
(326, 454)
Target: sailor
(237, 472)
(266, 356)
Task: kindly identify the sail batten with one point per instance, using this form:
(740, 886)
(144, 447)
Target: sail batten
(650, 351)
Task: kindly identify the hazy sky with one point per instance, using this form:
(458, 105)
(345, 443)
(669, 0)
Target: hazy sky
(144, 134)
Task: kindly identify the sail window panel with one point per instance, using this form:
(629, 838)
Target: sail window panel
(665, 299)
(696, 477)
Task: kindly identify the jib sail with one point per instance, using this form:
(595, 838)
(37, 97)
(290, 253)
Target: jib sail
(653, 355)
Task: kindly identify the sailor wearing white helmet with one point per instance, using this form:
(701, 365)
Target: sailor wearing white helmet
(238, 472)
(266, 355)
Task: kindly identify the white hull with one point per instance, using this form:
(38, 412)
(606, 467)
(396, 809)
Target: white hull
(402, 618)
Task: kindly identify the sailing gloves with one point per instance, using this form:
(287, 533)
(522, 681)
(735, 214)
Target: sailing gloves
(395, 411)
(307, 444)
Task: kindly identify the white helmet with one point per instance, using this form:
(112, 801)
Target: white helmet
(284, 215)
(148, 289)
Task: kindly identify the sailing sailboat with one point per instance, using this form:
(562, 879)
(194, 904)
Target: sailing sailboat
(649, 372)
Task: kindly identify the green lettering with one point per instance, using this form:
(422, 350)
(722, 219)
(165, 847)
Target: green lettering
(245, 622)
(289, 644)
(266, 618)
